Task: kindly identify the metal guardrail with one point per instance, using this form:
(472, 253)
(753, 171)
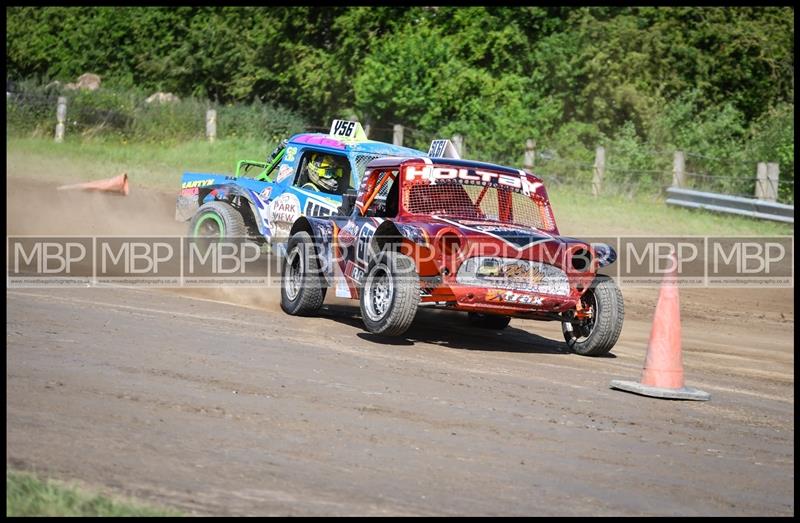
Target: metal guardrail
(753, 208)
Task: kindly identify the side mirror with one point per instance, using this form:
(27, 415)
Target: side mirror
(348, 202)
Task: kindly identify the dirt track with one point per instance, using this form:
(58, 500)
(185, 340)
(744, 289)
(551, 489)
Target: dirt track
(218, 403)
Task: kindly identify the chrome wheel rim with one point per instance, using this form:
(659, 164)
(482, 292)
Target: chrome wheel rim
(378, 292)
(294, 274)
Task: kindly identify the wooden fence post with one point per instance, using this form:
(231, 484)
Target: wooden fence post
(679, 169)
(530, 154)
(397, 138)
(61, 116)
(761, 181)
(458, 143)
(599, 170)
(211, 125)
(772, 182)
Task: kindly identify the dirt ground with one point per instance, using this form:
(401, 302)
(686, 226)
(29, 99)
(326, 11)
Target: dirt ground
(216, 402)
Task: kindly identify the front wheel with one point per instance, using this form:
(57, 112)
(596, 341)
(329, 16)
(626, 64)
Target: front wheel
(597, 335)
(302, 285)
(390, 294)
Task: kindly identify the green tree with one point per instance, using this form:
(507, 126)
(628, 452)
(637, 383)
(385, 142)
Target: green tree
(710, 79)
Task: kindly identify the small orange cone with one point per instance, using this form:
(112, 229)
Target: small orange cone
(662, 376)
(118, 184)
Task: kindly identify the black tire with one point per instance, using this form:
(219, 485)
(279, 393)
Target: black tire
(599, 335)
(302, 284)
(217, 220)
(390, 294)
(488, 321)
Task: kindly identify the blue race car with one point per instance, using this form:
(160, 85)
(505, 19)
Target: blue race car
(305, 175)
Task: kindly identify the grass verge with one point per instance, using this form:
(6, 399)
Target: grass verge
(581, 214)
(154, 165)
(26, 495)
(160, 166)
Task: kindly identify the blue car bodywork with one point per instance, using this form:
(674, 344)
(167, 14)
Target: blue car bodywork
(271, 201)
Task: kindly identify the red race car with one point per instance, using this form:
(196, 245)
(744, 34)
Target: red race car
(457, 234)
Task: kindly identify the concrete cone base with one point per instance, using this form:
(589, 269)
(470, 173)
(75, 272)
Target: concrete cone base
(684, 393)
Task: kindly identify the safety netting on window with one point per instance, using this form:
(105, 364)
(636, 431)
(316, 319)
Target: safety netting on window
(476, 202)
(361, 163)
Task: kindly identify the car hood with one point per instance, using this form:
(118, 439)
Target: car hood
(513, 240)
(518, 236)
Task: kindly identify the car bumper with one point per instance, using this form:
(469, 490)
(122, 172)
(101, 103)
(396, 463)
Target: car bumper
(510, 302)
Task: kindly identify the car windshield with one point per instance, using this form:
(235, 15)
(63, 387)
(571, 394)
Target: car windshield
(489, 202)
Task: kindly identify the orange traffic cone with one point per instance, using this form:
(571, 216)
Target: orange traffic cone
(662, 376)
(118, 184)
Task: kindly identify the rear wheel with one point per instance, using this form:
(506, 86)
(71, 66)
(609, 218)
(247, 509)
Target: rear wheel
(390, 294)
(597, 335)
(217, 220)
(302, 285)
(488, 321)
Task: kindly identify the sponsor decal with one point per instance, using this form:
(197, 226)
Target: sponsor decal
(512, 270)
(284, 210)
(284, 172)
(522, 270)
(347, 235)
(290, 153)
(505, 296)
(191, 191)
(413, 233)
(354, 272)
(364, 238)
(495, 228)
(431, 174)
(197, 183)
(265, 194)
(322, 230)
(318, 208)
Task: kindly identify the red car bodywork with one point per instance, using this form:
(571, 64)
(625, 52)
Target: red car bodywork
(518, 227)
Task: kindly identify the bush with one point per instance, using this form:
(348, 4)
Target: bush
(633, 165)
(100, 112)
(258, 120)
(31, 108)
(177, 121)
(771, 139)
(567, 154)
